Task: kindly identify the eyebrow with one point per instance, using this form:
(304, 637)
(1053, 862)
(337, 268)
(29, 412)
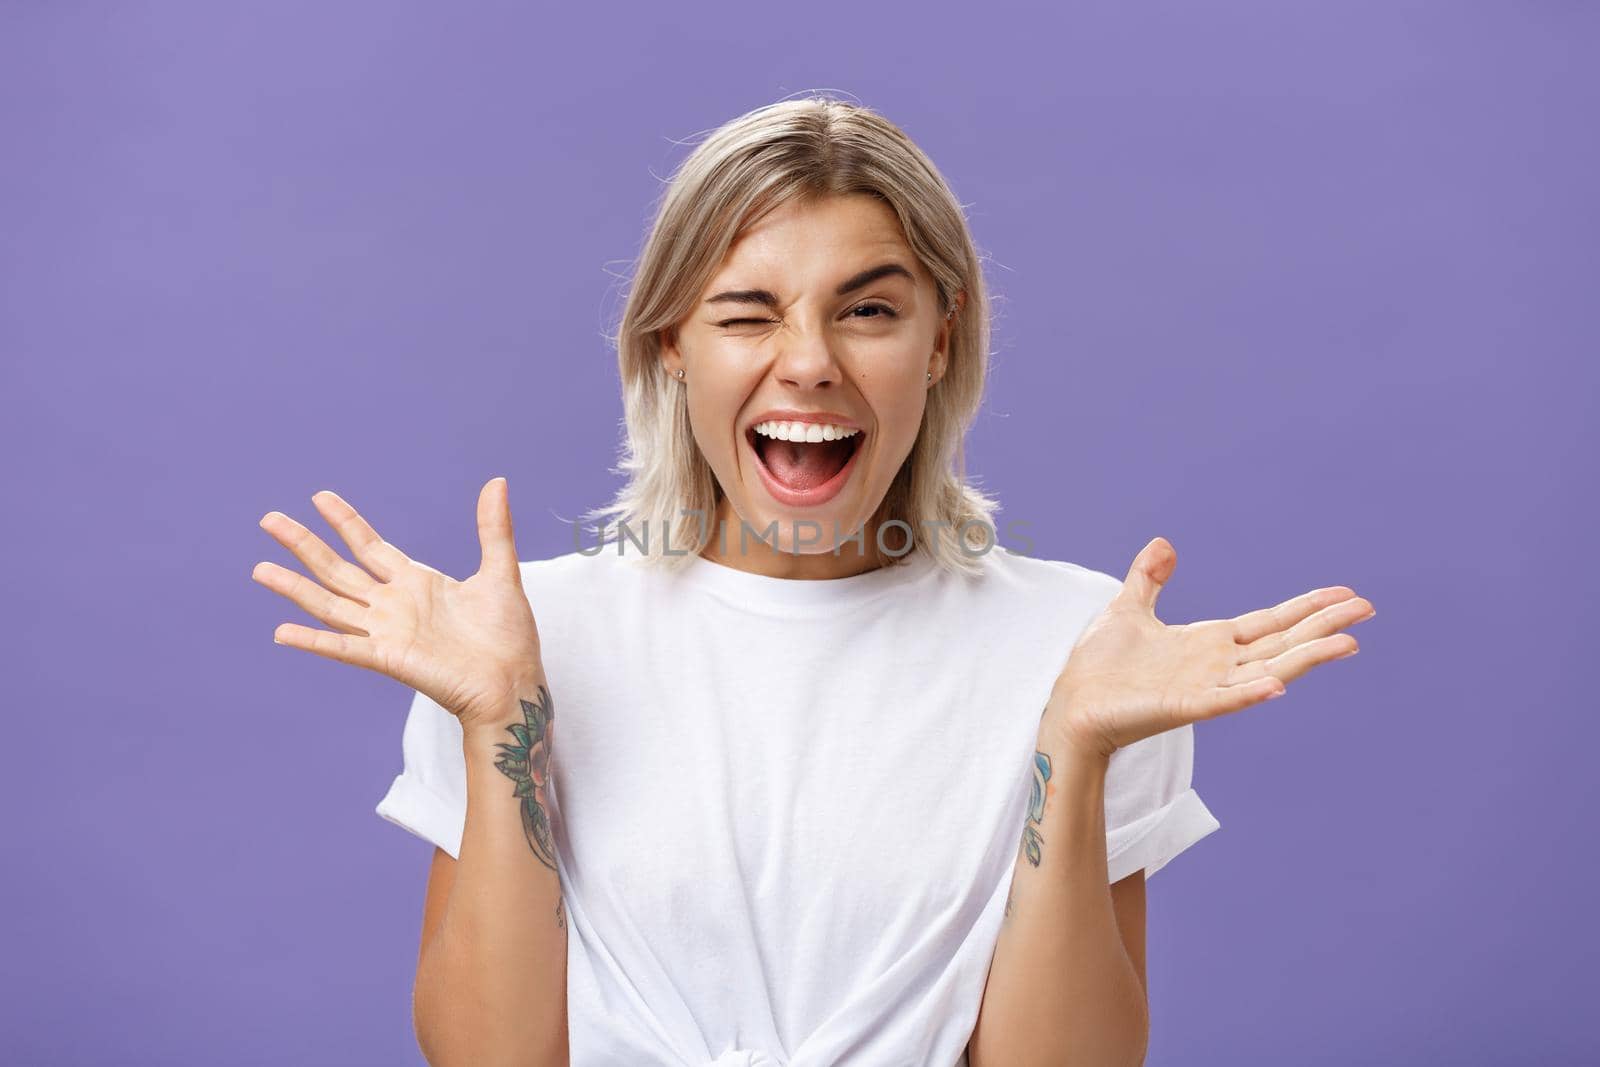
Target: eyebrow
(770, 299)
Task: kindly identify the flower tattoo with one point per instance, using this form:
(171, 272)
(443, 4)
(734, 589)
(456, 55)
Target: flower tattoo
(528, 764)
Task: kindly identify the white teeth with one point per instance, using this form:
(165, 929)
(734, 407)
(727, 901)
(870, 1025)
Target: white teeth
(804, 431)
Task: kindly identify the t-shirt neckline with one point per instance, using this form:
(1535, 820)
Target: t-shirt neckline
(750, 588)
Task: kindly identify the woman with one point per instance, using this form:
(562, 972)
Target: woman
(841, 779)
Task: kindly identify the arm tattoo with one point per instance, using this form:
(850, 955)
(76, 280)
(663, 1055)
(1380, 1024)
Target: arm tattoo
(1032, 843)
(528, 764)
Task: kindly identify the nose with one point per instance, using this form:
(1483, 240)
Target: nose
(806, 361)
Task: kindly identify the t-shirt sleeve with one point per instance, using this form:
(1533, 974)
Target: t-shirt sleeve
(1152, 810)
(429, 795)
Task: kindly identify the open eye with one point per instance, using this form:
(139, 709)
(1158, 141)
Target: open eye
(884, 311)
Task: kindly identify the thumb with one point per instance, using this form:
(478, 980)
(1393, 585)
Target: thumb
(1148, 575)
(494, 530)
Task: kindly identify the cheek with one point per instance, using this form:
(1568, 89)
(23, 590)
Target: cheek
(898, 404)
(713, 413)
(906, 424)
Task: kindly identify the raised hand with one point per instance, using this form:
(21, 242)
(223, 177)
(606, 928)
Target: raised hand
(467, 645)
(1131, 676)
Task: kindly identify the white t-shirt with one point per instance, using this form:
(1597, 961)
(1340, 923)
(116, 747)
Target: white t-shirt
(787, 812)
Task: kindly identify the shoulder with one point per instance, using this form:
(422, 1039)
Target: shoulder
(553, 566)
(591, 582)
(576, 571)
(1058, 581)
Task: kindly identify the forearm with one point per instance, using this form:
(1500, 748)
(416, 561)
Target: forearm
(491, 985)
(1062, 990)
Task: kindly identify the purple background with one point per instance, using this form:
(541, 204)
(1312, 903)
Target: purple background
(1307, 289)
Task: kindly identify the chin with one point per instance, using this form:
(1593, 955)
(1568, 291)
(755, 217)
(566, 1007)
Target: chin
(819, 529)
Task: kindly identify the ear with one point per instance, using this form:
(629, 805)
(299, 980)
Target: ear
(948, 323)
(671, 358)
(941, 354)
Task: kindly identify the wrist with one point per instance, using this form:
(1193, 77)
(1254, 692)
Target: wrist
(1067, 726)
(484, 734)
(1063, 745)
(492, 719)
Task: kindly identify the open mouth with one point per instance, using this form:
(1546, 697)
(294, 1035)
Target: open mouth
(804, 473)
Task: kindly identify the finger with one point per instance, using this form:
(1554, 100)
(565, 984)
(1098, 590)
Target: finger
(495, 535)
(373, 552)
(1292, 663)
(330, 568)
(1254, 625)
(343, 648)
(1328, 620)
(319, 603)
(1149, 573)
(1223, 699)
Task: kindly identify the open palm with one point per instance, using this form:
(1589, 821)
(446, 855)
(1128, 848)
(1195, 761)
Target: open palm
(1131, 676)
(466, 644)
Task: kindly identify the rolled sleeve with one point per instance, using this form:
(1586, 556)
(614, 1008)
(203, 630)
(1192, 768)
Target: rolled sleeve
(1152, 810)
(429, 796)
(409, 805)
(1154, 840)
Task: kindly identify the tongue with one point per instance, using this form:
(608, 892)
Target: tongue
(802, 466)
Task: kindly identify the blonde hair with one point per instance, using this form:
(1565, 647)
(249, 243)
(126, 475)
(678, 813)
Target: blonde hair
(796, 149)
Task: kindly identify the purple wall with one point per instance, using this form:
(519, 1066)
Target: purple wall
(1307, 289)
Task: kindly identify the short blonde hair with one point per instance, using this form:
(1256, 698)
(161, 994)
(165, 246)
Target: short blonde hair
(795, 149)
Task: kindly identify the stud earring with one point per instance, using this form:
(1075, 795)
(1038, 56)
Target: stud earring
(680, 374)
(930, 376)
